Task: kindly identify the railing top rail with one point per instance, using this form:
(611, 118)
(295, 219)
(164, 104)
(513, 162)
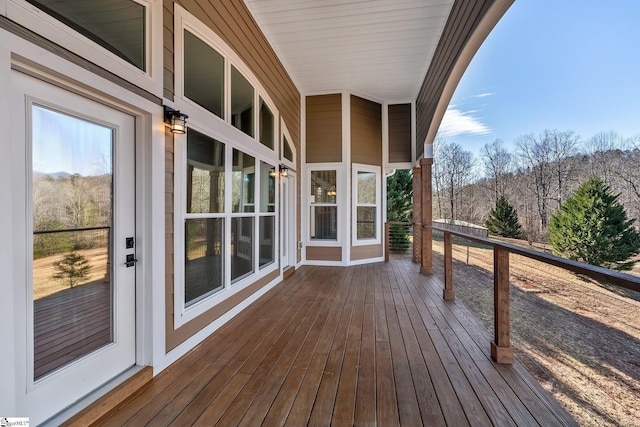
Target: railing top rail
(609, 276)
(70, 230)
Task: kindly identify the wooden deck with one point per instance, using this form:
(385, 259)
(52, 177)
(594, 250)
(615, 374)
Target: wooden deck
(367, 345)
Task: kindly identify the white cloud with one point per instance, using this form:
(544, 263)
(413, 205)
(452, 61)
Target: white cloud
(484, 95)
(456, 122)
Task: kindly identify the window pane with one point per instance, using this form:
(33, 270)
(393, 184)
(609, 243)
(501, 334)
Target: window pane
(324, 222)
(72, 232)
(205, 174)
(204, 244)
(203, 74)
(288, 152)
(366, 222)
(241, 102)
(366, 188)
(243, 182)
(323, 186)
(241, 247)
(267, 230)
(267, 187)
(116, 25)
(266, 125)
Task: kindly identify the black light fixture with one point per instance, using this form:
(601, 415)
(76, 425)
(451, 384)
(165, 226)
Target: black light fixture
(176, 120)
(284, 171)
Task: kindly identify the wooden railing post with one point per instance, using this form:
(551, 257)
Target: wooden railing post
(448, 293)
(501, 351)
(386, 242)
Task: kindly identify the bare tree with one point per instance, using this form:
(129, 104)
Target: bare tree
(600, 149)
(564, 145)
(455, 172)
(498, 164)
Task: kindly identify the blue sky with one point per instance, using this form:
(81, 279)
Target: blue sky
(563, 64)
(68, 144)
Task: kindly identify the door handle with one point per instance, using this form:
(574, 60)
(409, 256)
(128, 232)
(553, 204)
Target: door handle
(131, 260)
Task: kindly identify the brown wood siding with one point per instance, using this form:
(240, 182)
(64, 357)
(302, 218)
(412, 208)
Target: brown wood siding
(464, 18)
(232, 21)
(365, 252)
(324, 128)
(400, 133)
(366, 131)
(324, 253)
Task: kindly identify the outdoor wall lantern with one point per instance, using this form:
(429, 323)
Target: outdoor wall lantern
(176, 120)
(284, 171)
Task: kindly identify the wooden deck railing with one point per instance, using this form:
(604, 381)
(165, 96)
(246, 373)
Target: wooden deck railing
(397, 237)
(501, 350)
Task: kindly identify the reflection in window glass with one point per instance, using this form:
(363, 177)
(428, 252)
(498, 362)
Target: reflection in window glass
(324, 222)
(116, 25)
(243, 182)
(241, 102)
(72, 199)
(323, 186)
(203, 74)
(204, 258)
(366, 188)
(266, 125)
(205, 174)
(287, 151)
(366, 222)
(267, 231)
(324, 211)
(267, 187)
(366, 209)
(241, 247)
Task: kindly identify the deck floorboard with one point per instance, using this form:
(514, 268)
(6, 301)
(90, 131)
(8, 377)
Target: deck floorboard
(365, 345)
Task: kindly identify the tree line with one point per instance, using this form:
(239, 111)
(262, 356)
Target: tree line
(535, 177)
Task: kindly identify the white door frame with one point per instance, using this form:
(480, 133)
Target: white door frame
(288, 220)
(45, 396)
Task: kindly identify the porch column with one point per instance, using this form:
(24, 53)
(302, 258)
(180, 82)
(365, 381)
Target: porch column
(426, 266)
(417, 214)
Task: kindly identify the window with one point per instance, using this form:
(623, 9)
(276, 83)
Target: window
(324, 208)
(366, 212)
(267, 213)
(266, 125)
(287, 152)
(204, 226)
(243, 195)
(241, 102)
(203, 74)
(117, 25)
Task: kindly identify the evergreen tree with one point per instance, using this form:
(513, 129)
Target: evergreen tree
(73, 267)
(503, 220)
(399, 194)
(399, 208)
(591, 226)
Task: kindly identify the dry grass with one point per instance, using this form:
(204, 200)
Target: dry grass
(43, 269)
(580, 340)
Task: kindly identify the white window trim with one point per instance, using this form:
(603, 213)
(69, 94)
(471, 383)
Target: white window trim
(340, 203)
(47, 26)
(355, 168)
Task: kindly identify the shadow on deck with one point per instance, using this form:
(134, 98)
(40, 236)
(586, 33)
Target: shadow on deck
(364, 345)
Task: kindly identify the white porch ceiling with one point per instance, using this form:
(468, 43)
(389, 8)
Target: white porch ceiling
(375, 48)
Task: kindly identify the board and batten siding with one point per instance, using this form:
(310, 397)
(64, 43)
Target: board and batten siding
(400, 133)
(366, 131)
(323, 128)
(464, 18)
